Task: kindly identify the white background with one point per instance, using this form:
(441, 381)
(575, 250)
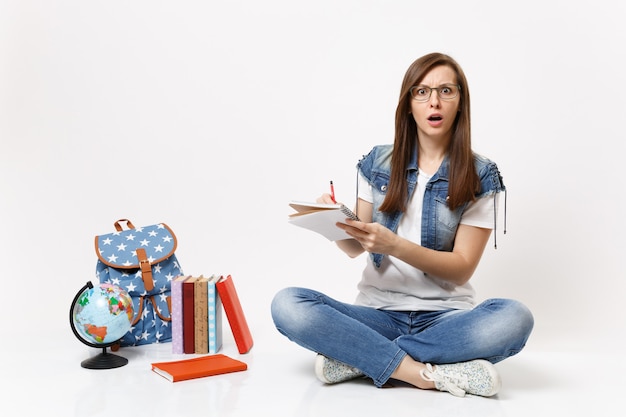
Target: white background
(210, 116)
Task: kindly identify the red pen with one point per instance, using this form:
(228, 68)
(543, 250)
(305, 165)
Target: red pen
(332, 192)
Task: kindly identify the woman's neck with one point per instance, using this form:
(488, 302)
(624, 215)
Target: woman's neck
(430, 155)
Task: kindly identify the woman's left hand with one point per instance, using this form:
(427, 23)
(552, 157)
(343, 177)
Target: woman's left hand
(373, 237)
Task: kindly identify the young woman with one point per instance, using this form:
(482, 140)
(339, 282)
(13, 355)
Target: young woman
(427, 206)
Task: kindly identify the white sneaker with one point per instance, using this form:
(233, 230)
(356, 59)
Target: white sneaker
(330, 371)
(478, 377)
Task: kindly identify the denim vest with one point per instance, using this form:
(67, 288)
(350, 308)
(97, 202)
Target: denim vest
(439, 223)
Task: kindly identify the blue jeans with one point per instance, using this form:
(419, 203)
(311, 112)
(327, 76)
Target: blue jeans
(375, 341)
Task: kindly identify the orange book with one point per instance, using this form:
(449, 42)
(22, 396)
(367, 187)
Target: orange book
(199, 367)
(234, 313)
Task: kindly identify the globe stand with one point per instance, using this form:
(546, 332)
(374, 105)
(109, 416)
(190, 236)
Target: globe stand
(104, 360)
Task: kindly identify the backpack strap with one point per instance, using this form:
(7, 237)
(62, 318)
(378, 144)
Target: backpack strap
(119, 227)
(146, 269)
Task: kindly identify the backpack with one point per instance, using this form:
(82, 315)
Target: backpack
(141, 261)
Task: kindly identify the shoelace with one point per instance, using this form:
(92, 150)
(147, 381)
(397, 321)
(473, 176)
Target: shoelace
(452, 385)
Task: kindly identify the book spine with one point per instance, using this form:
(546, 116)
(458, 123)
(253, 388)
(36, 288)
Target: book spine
(201, 324)
(214, 318)
(188, 317)
(177, 315)
(234, 314)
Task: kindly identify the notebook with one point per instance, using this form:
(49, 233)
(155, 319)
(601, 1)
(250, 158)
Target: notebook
(321, 218)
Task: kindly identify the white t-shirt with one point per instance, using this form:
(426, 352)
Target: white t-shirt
(396, 285)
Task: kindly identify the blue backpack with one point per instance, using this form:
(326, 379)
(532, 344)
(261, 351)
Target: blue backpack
(141, 261)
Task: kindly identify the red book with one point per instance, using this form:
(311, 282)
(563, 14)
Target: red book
(198, 367)
(189, 332)
(234, 313)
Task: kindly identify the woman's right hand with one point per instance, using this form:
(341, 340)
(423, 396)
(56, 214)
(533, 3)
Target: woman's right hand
(325, 199)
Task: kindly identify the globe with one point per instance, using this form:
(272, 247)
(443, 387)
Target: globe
(99, 316)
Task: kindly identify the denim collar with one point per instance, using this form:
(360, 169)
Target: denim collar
(442, 171)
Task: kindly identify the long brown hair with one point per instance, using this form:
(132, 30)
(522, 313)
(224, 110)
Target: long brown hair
(464, 181)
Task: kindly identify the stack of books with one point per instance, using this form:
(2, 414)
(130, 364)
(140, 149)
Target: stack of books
(197, 304)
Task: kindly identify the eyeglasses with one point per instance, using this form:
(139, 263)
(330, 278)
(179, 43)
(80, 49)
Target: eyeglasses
(445, 92)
